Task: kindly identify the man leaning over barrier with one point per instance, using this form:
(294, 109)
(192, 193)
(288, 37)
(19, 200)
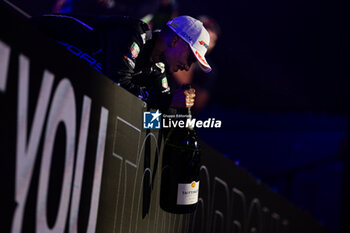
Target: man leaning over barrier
(125, 50)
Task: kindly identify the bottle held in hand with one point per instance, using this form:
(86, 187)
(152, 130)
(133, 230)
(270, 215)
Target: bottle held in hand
(180, 170)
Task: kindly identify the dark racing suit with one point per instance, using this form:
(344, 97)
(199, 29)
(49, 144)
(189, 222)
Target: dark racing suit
(119, 47)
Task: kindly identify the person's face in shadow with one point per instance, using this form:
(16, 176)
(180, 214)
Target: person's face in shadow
(178, 55)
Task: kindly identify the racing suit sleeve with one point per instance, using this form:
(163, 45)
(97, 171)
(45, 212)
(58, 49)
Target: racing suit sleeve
(159, 91)
(120, 48)
(118, 63)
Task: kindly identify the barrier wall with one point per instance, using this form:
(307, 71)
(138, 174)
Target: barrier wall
(75, 158)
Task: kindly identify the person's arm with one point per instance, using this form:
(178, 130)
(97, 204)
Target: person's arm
(118, 58)
(120, 50)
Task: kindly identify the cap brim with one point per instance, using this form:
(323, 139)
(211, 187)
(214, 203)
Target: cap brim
(201, 60)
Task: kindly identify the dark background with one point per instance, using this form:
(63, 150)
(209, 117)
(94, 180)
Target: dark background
(281, 93)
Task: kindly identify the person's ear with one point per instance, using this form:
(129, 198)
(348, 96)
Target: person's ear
(174, 40)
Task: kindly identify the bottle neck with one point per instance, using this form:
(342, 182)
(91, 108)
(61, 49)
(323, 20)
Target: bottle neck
(185, 115)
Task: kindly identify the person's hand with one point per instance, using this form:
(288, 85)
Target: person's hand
(183, 98)
(190, 97)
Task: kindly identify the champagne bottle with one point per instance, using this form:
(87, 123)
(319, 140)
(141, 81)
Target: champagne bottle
(180, 170)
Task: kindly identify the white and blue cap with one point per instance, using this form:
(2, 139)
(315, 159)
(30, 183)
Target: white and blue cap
(193, 32)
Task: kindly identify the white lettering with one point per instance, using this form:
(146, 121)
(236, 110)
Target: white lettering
(4, 64)
(164, 124)
(174, 123)
(26, 149)
(218, 124)
(63, 109)
(79, 167)
(190, 123)
(206, 124)
(181, 124)
(199, 124)
(212, 123)
(98, 171)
